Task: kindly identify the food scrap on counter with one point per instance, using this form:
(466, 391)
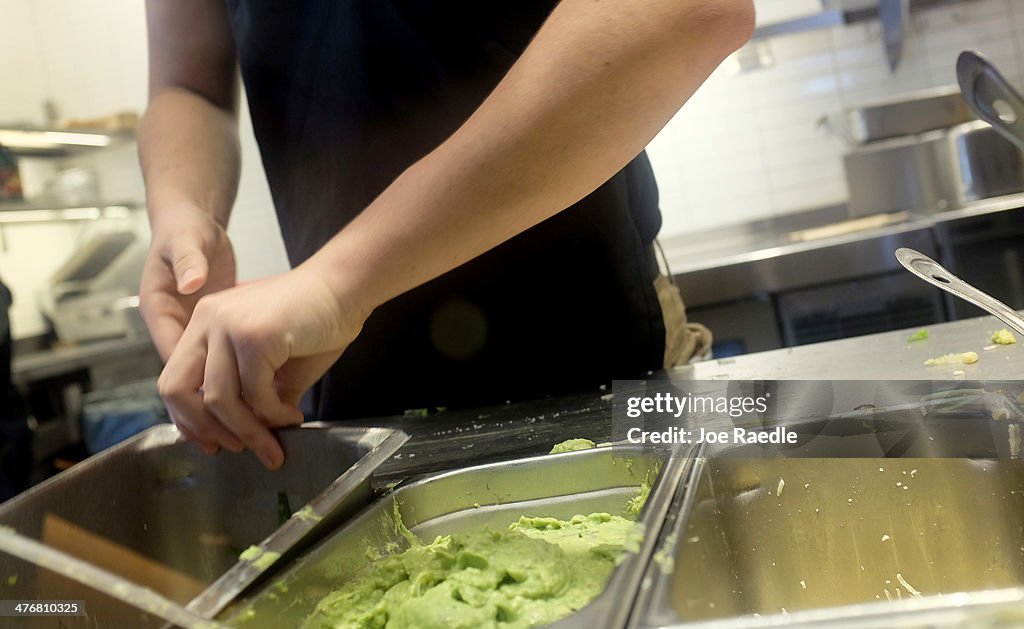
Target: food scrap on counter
(1004, 337)
(967, 358)
(572, 445)
(920, 335)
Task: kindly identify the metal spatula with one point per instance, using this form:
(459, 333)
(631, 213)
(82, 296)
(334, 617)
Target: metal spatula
(934, 273)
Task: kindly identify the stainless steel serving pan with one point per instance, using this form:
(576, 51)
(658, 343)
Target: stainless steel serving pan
(601, 479)
(904, 503)
(909, 114)
(157, 512)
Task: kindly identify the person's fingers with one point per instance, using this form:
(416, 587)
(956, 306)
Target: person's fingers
(164, 320)
(179, 385)
(222, 395)
(258, 391)
(189, 264)
(206, 446)
(202, 422)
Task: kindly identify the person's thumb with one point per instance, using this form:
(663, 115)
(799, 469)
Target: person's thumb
(190, 267)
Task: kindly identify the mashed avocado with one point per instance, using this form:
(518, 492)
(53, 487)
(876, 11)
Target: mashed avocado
(537, 571)
(1004, 337)
(920, 335)
(636, 504)
(258, 557)
(967, 358)
(572, 445)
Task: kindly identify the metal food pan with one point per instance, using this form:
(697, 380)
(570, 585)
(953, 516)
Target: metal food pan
(909, 114)
(161, 514)
(494, 495)
(83, 595)
(922, 503)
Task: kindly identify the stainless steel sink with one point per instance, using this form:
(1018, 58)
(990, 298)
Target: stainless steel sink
(870, 513)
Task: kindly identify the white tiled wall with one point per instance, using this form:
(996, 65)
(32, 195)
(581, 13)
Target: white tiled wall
(748, 146)
(89, 58)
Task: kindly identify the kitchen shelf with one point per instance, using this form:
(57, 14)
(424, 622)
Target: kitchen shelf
(52, 142)
(24, 212)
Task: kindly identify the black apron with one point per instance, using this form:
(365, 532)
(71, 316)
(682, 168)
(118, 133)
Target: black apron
(344, 96)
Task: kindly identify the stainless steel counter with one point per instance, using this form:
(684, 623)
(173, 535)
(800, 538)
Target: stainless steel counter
(877, 357)
(56, 381)
(456, 439)
(738, 261)
(47, 364)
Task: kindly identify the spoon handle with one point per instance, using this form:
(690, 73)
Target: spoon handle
(934, 273)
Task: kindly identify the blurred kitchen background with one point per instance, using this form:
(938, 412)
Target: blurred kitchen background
(786, 184)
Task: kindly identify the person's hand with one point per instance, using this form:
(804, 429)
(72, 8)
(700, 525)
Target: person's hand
(190, 256)
(249, 353)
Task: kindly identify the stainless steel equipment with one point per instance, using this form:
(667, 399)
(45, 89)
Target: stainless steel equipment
(927, 152)
(157, 512)
(867, 506)
(909, 114)
(93, 294)
(932, 272)
(598, 480)
(153, 608)
(934, 171)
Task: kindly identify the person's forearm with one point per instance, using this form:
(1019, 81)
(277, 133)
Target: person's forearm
(597, 83)
(189, 152)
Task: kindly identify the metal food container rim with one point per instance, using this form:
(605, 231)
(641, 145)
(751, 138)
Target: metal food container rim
(297, 531)
(161, 434)
(616, 600)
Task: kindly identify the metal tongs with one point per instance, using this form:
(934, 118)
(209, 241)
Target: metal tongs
(934, 273)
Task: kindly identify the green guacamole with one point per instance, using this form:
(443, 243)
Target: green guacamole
(258, 557)
(1004, 337)
(537, 571)
(572, 445)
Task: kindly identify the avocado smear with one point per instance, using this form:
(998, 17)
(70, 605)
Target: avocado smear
(1003, 337)
(572, 445)
(261, 559)
(539, 570)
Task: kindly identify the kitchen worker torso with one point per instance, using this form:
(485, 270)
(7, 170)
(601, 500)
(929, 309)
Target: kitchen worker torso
(347, 94)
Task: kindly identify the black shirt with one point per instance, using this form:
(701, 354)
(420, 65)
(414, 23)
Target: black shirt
(344, 96)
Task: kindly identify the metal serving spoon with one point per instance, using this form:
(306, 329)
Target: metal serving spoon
(991, 96)
(934, 273)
